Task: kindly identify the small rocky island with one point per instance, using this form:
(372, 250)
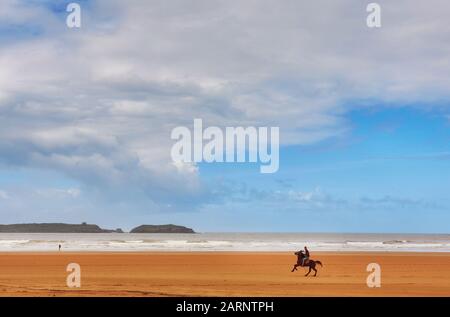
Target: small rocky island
(161, 229)
(54, 228)
(87, 228)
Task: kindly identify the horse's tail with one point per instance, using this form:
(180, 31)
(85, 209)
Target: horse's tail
(318, 262)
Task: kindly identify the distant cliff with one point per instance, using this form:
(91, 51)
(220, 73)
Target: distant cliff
(54, 228)
(161, 229)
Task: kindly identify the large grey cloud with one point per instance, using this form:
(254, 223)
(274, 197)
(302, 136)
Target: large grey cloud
(98, 103)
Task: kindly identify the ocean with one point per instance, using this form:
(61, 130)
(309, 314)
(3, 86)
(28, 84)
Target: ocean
(17, 242)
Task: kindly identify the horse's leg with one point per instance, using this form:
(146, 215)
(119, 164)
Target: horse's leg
(308, 271)
(313, 267)
(294, 268)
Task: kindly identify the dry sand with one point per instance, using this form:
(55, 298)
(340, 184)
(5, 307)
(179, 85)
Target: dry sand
(222, 274)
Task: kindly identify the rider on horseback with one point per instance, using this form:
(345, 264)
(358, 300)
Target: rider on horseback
(304, 260)
(305, 256)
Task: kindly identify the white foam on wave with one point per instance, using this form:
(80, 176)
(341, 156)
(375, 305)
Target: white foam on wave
(6, 242)
(223, 242)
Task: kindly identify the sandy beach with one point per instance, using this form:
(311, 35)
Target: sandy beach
(222, 274)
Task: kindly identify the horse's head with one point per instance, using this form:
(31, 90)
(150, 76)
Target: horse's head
(298, 253)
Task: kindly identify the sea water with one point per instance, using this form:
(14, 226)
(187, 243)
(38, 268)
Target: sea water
(16, 242)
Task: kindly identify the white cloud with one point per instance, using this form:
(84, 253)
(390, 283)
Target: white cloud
(98, 104)
(4, 194)
(60, 193)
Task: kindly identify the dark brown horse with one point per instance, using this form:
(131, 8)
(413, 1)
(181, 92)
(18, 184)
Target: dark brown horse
(309, 263)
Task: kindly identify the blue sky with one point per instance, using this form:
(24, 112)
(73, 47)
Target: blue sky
(388, 173)
(86, 114)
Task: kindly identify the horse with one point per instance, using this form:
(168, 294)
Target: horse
(310, 263)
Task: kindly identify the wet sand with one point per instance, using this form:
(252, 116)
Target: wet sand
(222, 274)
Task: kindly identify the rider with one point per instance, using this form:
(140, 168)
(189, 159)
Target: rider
(306, 256)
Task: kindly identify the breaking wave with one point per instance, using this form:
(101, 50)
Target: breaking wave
(223, 242)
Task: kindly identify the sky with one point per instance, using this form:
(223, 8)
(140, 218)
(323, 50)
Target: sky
(86, 114)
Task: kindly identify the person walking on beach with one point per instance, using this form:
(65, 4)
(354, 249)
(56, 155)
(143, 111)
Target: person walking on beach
(59, 247)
